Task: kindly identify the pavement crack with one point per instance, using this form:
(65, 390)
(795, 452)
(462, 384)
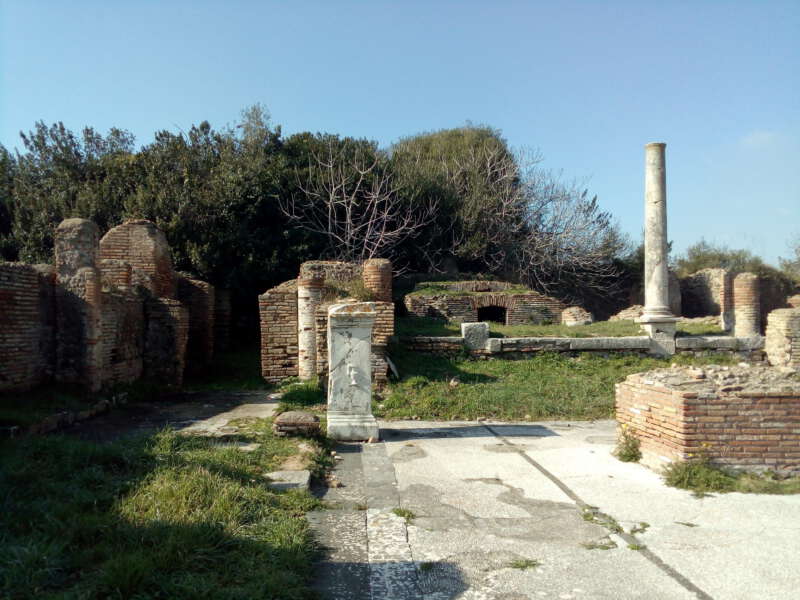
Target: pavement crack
(587, 508)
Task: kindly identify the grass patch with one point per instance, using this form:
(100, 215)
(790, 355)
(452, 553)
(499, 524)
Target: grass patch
(161, 516)
(306, 395)
(404, 513)
(544, 386)
(640, 528)
(636, 547)
(524, 563)
(601, 545)
(427, 326)
(235, 370)
(27, 408)
(628, 447)
(702, 478)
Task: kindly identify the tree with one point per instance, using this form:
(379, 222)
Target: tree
(791, 265)
(347, 194)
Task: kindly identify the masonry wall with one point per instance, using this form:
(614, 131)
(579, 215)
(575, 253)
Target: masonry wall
(92, 321)
(708, 292)
(783, 338)
(198, 298)
(748, 431)
(530, 307)
(27, 337)
(278, 316)
(122, 339)
(142, 245)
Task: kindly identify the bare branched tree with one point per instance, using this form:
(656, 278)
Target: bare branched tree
(350, 197)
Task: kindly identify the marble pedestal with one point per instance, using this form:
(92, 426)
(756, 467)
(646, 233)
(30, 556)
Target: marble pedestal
(350, 372)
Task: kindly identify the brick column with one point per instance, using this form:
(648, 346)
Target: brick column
(746, 308)
(377, 276)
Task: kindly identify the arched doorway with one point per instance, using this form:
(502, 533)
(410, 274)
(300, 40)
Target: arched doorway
(496, 314)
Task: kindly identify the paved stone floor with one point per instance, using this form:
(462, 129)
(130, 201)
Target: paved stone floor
(480, 502)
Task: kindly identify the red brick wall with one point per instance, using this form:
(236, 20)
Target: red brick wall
(123, 336)
(166, 336)
(278, 315)
(749, 430)
(141, 244)
(19, 327)
(530, 307)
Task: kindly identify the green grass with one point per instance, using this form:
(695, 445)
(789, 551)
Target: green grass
(404, 513)
(544, 386)
(235, 370)
(26, 408)
(426, 326)
(702, 478)
(628, 447)
(524, 564)
(162, 516)
(441, 288)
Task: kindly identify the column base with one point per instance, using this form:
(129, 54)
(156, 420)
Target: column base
(661, 331)
(352, 428)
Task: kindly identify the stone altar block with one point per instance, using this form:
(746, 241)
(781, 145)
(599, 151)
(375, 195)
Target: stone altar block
(350, 372)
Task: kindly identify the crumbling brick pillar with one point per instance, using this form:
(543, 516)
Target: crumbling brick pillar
(377, 275)
(746, 309)
(783, 337)
(144, 246)
(79, 356)
(309, 295)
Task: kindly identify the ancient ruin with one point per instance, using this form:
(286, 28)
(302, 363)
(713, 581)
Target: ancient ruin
(294, 317)
(112, 310)
(471, 301)
(744, 417)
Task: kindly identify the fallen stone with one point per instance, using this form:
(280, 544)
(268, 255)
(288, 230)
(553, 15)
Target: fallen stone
(288, 480)
(295, 422)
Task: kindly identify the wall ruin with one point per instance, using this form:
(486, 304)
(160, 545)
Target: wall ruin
(294, 317)
(460, 301)
(105, 314)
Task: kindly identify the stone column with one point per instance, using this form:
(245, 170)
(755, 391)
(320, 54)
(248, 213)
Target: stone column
(746, 306)
(783, 337)
(309, 295)
(350, 372)
(657, 319)
(79, 352)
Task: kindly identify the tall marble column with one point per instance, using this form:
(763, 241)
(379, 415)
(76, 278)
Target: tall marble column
(350, 372)
(657, 319)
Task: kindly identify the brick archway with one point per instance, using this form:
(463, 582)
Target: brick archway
(493, 305)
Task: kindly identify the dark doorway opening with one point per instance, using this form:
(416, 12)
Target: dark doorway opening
(496, 314)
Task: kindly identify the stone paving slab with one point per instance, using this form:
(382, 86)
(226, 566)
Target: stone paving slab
(489, 498)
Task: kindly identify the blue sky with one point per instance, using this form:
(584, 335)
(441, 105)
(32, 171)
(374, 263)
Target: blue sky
(587, 83)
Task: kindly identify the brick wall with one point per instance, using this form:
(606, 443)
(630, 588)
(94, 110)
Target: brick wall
(198, 298)
(331, 270)
(708, 292)
(20, 331)
(165, 339)
(530, 307)
(278, 316)
(751, 428)
(123, 330)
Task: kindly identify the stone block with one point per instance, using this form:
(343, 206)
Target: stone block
(288, 480)
(475, 335)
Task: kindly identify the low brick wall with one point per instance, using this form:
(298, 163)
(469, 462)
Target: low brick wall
(747, 418)
(521, 308)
